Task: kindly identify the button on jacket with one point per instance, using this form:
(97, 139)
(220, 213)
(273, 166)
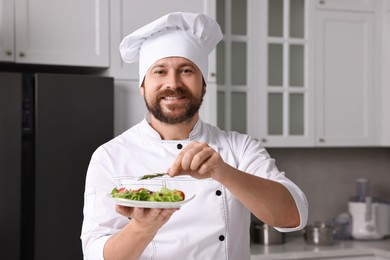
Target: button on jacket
(213, 225)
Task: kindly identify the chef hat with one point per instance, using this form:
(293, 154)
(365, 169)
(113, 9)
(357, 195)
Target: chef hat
(189, 35)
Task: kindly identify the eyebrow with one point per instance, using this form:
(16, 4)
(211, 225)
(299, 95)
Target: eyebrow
(164, 64)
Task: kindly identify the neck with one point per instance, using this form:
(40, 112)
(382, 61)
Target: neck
(174, 132)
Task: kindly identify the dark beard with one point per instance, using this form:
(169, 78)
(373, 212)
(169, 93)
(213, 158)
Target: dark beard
(191, 107)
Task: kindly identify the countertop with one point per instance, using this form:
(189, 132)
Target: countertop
(296, 248)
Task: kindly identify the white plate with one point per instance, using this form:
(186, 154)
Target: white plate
(150, 204)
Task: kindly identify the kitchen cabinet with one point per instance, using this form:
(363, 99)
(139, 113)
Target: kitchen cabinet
(311, 72)
(384, 114)
(73, 33)
(346, 5)
(264, 84)
(285, 96)
(345, 78)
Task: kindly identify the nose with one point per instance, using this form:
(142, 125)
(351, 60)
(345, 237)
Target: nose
(173, 80)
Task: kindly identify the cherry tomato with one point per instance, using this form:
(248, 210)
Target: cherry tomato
(180, 193)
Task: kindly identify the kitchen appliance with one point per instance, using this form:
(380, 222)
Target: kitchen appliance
(370, 220)
(50, 124)
(370, 216)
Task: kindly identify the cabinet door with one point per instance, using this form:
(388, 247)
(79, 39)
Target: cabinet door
(283, 104)
(384, 111)
(59, 32)
(347, 5)
(6, 30)
(345, 82)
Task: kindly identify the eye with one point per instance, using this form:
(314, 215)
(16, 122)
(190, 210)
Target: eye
(186, 70)
(159, 72)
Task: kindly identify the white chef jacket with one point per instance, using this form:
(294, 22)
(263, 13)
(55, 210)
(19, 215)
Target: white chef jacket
(214, 225)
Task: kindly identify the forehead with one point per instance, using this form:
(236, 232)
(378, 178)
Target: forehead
(173, 62)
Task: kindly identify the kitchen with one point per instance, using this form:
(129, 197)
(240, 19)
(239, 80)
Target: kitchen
(323, 164)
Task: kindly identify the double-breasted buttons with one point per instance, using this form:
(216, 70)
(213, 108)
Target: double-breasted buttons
(179, 146)
(221, 238)
(218, 193)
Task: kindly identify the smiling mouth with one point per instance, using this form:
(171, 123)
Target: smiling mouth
(172, 98)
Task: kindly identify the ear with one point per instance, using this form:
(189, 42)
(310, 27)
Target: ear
(142, 90)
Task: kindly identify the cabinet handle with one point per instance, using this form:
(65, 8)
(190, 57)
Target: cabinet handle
(8, 52)
(322, 2)
(321, 140)
(22, 54)
(263, 140)
(213, 74)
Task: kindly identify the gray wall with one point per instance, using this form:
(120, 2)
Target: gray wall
(327, 175)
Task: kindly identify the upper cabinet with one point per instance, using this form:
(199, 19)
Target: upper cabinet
(346, 5)
(345, 78)
(73, 33)
(303, 73)
(264, 83)
(128, 16)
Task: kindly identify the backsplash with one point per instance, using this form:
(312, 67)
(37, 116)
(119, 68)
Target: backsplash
(327, 175)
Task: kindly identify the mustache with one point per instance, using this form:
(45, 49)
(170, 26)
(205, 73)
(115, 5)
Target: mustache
(178, 92)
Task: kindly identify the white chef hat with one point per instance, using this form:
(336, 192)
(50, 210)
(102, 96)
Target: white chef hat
(189, 35)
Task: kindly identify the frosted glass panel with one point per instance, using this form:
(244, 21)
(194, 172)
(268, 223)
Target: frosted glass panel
(275, 18)
(239, 112)
(296, 114)
(275, 65)
(275, 114)
(239, 17)
(238, 65)
(221, 109)
(296, 65)
(221, 9)
(221, 63)
(297, 18)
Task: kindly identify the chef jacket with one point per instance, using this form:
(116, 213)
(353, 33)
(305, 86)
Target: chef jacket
(213, 225)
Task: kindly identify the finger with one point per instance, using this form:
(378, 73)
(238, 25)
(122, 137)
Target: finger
(125, 211)
(176, 167)
(200, 158)
(167, 213)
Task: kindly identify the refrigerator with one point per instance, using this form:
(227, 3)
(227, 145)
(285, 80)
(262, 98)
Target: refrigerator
(50, 124)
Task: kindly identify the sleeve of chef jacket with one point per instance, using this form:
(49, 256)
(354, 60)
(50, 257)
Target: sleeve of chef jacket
(253, 158)
(100, 217)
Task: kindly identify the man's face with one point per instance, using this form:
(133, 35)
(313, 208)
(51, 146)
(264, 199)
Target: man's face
(173, 90)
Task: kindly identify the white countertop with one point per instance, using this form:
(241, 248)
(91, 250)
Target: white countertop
(296, 248)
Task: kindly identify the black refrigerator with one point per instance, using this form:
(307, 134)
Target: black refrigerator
(50, 124)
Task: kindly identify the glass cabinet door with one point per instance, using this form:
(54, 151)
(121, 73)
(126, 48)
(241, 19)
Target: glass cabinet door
(284, 81)
(262, 70)
(232, 53)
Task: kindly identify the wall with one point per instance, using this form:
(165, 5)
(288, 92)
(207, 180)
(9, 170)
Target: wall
(327, 175)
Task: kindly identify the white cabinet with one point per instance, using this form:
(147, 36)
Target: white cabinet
(346, 5)
(55, 32)
(312, 72)
(6, 30)
(344, 78)
(384, 97)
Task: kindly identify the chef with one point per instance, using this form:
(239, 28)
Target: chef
(227, 175)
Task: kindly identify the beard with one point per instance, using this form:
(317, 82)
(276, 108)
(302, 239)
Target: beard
(173, 116)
